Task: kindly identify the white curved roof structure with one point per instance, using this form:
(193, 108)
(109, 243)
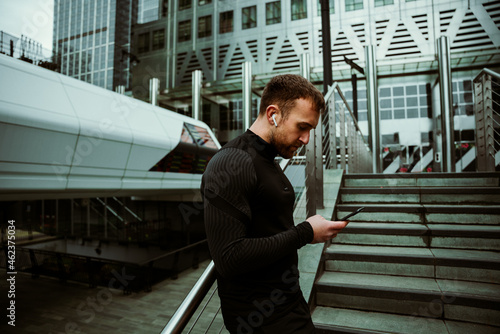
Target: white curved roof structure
(63, 138)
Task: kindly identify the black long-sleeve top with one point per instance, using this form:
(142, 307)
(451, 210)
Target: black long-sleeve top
(250, 228)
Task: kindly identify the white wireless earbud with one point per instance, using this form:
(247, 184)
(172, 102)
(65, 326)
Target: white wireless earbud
(274, 120)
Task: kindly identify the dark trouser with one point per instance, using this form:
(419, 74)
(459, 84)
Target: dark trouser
(296, 321)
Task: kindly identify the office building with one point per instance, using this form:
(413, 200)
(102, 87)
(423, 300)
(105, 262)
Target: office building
(217, 37)
(92, 40)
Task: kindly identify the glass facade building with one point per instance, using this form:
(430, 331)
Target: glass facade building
(92, 40)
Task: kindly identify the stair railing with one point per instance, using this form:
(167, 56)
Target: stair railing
(354, 155)
(487, 114)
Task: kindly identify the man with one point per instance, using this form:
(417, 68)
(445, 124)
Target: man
(249, 214)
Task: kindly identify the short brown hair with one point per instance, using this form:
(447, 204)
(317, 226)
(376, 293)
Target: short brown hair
(284, 90)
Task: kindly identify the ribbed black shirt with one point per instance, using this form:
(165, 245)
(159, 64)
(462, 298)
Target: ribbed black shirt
(251, 233)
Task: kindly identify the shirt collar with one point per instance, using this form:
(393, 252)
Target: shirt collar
(261, 146)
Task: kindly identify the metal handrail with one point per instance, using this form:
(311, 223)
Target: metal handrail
(188, 307)
(489, 72)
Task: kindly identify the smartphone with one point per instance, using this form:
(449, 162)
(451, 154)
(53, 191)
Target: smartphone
(352, 214)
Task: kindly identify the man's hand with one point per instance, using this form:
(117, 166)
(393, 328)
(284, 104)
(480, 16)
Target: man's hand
(325, 230)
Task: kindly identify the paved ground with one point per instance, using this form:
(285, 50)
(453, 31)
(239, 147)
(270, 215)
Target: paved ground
(44, 305)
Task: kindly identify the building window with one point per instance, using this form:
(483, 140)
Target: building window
(204, 2)
(299, 10)
(400, 102)
(164, 8)
(143, 42)
(158, 39)
(205, 26)
(184, 4)
(184, 31)
(332, 7)
(273, 12)
(249, 17)
(226, 22)
(462, 98)
(351, 5)
(379, 3)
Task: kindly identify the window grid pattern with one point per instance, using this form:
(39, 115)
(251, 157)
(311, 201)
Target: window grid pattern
(184, 31)
(400, 102)
(158, 39)
(351, 5)
(205, 26)
(299, 10)
(249, 17)
(463, 103)
(273, 12)
(379, 3)
(332, 7)
(226, 22)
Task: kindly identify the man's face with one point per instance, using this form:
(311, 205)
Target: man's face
(293, 132)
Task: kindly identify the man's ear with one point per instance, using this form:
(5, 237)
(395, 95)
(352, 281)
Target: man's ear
(270, 111)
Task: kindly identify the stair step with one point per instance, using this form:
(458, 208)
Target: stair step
(391, 234)
(479, 266)
(423, 180)
(343, 321)
(420, 235)
(417, 195)
(424, 297)
(416, 213)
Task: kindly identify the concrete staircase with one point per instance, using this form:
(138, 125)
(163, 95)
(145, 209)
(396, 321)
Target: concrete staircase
(423, 257)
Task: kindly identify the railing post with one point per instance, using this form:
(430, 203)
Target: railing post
(311, 178)
(373, 115)
(120, 89)
(154, 90)
(318, 148)
(342, 137)
(34, 264)
(445, 89)
(196, 94)
(332, 134)
(247, 95)
(483, 110)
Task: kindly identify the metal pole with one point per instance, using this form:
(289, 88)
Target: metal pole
(327, 48)
(310, 179)
(305, 66)
(154, 90)
(445, 90)
(373, 115)
(196, 99)
(332, 131)
(120, 89)
(247, 94)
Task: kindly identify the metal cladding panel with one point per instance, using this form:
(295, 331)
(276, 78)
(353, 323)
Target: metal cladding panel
(20, 176)
(94, 178)
(100, 153)
(143, 157)
(31, 145)
(101, 112)
(33, 87)
(24, 115)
